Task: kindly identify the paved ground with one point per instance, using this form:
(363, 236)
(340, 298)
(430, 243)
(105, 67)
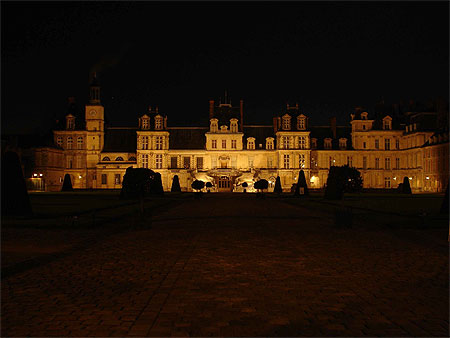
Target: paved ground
(238, 266)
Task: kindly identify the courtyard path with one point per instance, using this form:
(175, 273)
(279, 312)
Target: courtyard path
(234, 265)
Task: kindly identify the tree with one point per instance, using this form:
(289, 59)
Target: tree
(175, 184)
(15, 200)
(137, 183)
(208, 186)
(277, 189)
(197, 185)
(67, 184)
(354, 182)
(342, 179)
(406, 188)
(301, 184)
(260, 186)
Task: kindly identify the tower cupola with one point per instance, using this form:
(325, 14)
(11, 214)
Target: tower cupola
(94, 91)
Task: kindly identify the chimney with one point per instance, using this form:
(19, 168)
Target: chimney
(333, 126)
(211, 109)
(275, 125)
(241, 108)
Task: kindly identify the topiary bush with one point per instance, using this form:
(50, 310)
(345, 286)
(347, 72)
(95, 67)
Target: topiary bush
(67, 184)
(260, 186)
(175, 184)
(15, 200)
(208, 185)
(198, 185)
(301, 188)
(156, 186)
(406, 188)
(278, 189)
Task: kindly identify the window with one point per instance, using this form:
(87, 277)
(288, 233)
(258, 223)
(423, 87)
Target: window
(269, 143)
(132, 159)
(173, 162)
(234, 126)
(314, 143)
(120, 158)
(233, 144)
(158, 122)
(117, 179)
(106, 158)
(285, 142)
(286, 162)
(80, 143)
(214, 144)
(186, 162)
(364, 127)
(199, 162)
(145, 142)
(386, 124)
(342, 143)
(224, 144)
(286, 123)
(301, 125)
(104, 179)
(250, 143)
(387, 144)
(59, 141)
(377, 144)
(387, 182)
(301, 160)
(69, 142)
(327, 143)
(397, 163)
(158, 161)
(269, 162)
(397, 144)
(70, 123)
(377, 163)
(364, 145)
(145, 123)
(364, 162)
(349, 161)
(250, 161)
(302, 142)
(70, 163)
(234, 162)
(213, 162)
(213, 125)
(159, 142)
(387, 163)
(145, 161)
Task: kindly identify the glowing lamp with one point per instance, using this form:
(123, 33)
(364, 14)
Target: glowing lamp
(34, 175)
(410, 178)
(395, 178)
(79, 176)
(40, 175)
(427, 177)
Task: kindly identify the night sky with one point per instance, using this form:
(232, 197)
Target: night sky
(328, 57)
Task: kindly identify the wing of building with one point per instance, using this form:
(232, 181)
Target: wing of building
(384, 148)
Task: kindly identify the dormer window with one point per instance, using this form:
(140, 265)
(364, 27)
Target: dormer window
(364, 116)
(213, 125)
(314, 143)
(59, 141)
(70, 122)
(120, 158)
(158, 122)
(251, 143)
(301, 122)
(343, 143)
(145, 122)
(327, 143)
(269, 143)
(286, 122)
(387, 123)
(106, 159)
(234, 125)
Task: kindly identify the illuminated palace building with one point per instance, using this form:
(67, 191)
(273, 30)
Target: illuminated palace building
(384, 148)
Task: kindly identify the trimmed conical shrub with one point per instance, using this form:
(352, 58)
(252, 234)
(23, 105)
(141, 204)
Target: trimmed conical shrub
(277, 189)
(67, 184)
(406, 187)
(157, 187)
(175, 184)
(301, 183)
(15, 200)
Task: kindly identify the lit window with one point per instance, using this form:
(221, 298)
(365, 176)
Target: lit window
(233, 144)
(286, 162)
(301, 125)
(214, 144)
(286, 123)
(251, 143)
(285, 142)
(69, 142)
(80, 143)
(387, 163)
(301, 160)
(145, 142)
(158, 161)
(224, 144)
(387, 144)
(269, 143)
(158, 122)
(145, 123)
(145, 161)
(159, 142)
(302, 142)
(59, 141)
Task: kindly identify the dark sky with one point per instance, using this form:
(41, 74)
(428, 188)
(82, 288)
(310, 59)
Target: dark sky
(328, 57)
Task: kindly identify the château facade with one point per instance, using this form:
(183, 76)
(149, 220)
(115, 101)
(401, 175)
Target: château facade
(384, 149)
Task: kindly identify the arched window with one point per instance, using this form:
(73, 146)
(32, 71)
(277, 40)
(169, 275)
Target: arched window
(120, 158)
(106, 158)
(69, 142)
(80, 143)
(59, 141)
(132, 159)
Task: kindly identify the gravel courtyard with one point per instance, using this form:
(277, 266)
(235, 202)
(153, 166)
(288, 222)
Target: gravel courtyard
(234, 265)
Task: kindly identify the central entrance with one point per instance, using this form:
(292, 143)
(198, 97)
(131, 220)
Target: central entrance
(224, 184)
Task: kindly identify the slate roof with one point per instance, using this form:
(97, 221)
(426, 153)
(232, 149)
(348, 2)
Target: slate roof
(323, 132)
(259, 133)
(123, 140)
(187, 137)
